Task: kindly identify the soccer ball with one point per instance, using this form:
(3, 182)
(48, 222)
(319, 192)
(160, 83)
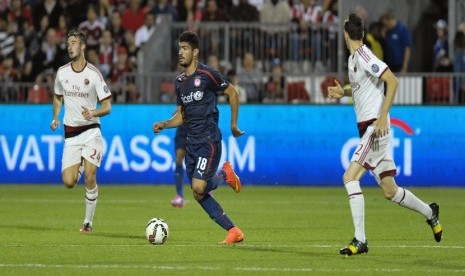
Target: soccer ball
(156, 231)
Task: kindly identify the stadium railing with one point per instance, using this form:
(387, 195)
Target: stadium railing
(414, 89)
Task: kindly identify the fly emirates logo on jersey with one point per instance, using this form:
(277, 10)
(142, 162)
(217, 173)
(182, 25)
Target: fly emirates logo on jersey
(400, 145)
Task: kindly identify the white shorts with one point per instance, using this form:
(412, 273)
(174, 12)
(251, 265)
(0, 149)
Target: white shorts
(86, 145)
(374, 154)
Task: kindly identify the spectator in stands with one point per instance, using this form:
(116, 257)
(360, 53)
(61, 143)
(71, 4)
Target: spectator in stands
(251, 78)
(106, 53)
(145, 31)
(374, 39)
(76, 11)
(244, 12)
(275, 12)
(103, 9)
(133, 17)
(132, 51)
(50, 8)
(441, 47)
(21, 14)
(8, 75)
(7, 38)
(116, 29)
(397, 43)
(459, 67)
(20, 54)
(50, 57)
(212, 13)
(330, 27)
(62, 30)
(92, 28)
(189, 13)
(35, 38)
(164, 7)
(275, 86)
(122, 87)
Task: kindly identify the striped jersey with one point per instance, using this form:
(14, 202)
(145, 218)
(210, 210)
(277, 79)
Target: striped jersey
(84, 88)
(365, 71)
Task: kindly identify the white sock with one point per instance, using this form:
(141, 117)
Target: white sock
(91, 203)
(357, 207)
(407, 199)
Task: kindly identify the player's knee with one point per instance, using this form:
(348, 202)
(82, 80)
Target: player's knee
(347, 177)
(69, 182)
(197, 196)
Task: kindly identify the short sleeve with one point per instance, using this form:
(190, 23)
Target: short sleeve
(103, 92)
(58, 88)
(218, 82)
(372, 64)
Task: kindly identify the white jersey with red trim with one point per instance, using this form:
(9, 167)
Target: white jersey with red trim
(365, 71)
(80, 89)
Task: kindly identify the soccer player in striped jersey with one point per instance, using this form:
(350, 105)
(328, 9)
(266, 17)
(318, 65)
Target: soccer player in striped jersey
(80, 86)
(367, 75)
(197, 90)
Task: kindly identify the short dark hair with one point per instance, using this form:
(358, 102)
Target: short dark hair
(354, 27)
(191, 38)
(78, 34)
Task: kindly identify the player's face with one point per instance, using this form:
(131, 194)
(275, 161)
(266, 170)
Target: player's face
(74, 47)
(186, 54)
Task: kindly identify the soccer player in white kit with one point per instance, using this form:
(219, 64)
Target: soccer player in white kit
(367, 76)
(80, 86)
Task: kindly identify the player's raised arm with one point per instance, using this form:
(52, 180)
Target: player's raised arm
(57, 102)
(174, 121)
(234, 103)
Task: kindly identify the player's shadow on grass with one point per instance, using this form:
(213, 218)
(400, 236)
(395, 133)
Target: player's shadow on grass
(32, 228)
(270, 249)
(117, 235)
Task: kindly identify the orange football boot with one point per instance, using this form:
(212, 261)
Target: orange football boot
(235, 235)
(231, 177)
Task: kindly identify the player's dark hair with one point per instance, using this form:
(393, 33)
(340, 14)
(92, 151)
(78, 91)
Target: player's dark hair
(354, 27)
(78, 34)
(191, 38)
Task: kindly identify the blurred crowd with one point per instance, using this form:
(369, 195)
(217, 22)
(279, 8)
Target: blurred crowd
(33, 42)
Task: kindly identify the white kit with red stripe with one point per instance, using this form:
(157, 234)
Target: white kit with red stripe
(80, 89)
(365, 71)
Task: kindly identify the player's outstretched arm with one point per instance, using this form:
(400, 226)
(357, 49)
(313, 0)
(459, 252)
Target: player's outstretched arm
(337, 91)
(234, 103)
(57, 102)
(174, 121)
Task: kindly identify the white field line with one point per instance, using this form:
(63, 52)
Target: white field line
(212, 268)
(238, 245)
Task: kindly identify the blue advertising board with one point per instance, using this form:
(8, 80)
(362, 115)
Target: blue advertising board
(283, 145)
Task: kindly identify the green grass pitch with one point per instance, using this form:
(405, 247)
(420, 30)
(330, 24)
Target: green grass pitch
(288, 230)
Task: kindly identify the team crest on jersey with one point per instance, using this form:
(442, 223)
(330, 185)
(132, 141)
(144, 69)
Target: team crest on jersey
(86, 82)
(375, 68)
(198, 95)
(197, 82)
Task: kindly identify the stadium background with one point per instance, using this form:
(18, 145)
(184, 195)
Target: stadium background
(302, 140)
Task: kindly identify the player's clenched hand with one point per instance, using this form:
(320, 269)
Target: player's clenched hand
(55, 124)
(335, 92)
(236, 131)
(158, 127)
(381, 127)
(88, 114)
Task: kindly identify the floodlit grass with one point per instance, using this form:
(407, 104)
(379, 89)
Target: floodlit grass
(287, 231)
